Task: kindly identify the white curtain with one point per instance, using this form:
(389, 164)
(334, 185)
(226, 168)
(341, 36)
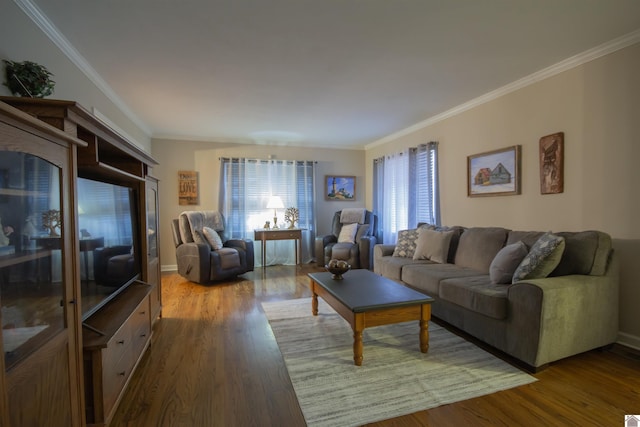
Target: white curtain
(395, 198)
(245, 188)
(405, 190)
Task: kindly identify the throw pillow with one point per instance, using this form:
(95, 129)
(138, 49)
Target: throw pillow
(542, 259)
(348, 233)
(213, 238)
(406, 245)
(506, 261)
(433, 245)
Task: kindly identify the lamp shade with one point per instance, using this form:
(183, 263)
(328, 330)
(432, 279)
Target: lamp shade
(275, 202)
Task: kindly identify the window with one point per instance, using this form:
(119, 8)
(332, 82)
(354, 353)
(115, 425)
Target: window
(245, 188)
(405, 190)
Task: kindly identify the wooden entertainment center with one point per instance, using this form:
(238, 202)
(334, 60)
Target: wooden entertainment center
(62, 366)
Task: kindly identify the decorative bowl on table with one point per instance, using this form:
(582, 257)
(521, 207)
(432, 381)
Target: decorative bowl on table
(337, 268)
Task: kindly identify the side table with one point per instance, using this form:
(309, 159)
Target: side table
(264, 234)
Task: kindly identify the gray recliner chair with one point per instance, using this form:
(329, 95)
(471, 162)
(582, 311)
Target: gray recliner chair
(359, 253)
(197, 260)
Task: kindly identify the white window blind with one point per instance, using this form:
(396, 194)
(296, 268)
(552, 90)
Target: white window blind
(245, 188)
(406, 190)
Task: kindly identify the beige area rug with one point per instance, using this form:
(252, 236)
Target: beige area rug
(395, 378)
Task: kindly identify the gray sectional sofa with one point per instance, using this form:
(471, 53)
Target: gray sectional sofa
(571, 309)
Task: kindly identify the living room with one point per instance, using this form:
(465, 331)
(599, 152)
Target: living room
(590, 96)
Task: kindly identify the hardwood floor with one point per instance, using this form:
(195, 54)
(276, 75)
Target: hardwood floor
(214, 362)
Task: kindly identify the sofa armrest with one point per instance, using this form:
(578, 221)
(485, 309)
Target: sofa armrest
(320, 243)
(381, 250)
(194, 261)
(562, 316)
(247, 246)
(365, 248)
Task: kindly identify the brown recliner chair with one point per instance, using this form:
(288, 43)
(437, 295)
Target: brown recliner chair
(359, 253)
(197, 260)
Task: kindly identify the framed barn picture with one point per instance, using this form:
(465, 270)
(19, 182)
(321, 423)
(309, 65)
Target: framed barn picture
(494, 173)
(340, 188)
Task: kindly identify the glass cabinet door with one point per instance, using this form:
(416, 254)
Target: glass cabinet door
(152, 275)
(31, 268)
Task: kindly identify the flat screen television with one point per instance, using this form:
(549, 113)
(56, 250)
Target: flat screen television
(109, 246)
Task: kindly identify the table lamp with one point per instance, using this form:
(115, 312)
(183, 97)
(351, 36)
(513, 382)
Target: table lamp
(275, 202)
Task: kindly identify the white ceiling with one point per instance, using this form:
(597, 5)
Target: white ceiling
(342, 73)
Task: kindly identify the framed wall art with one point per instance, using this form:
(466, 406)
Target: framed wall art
(187, 187)
(552, 163)
(340, 187)
(494, 173)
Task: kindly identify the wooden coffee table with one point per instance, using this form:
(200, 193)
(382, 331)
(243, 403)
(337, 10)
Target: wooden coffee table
(365, 299)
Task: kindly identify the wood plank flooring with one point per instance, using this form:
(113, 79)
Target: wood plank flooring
(214, 362)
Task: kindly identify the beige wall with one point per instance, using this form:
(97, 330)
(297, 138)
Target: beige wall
(23, 41)
(203, 157)
(597, 106)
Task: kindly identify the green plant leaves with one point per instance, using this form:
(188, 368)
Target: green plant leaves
(28, 79)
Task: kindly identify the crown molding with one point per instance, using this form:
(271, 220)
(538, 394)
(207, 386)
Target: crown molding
(567, 64)
(51, 31)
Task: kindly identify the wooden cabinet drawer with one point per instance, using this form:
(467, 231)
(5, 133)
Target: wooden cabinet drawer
(114, 376)
(111, 358)
(118, 344)
(140, 316)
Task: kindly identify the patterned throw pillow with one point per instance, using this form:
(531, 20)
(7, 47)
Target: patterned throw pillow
(406, 245)
(542, 259)
(213, 238)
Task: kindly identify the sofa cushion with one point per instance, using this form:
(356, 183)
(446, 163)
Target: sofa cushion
(213, 238)
(453, 246)
(343, 251)
(433, 245)
(348, 233)
(583, 251)
(478, 246)
(542, 259)
(426, 277)
(526, 237)
(506, 261)
(478, 294)
(391, 266)
(229, 258)
(406, 245)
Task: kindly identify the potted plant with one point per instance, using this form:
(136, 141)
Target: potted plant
(28, 79)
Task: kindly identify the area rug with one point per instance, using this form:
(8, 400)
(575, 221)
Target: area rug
(395, 377)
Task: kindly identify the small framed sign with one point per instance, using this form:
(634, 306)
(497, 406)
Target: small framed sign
(187, 187)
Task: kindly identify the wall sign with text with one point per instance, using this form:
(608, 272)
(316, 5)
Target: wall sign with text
(187, 187)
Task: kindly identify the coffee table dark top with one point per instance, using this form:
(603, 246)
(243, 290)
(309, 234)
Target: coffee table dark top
(362, 290)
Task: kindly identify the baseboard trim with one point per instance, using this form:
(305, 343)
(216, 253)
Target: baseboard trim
(168, 268)
(628, 340)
